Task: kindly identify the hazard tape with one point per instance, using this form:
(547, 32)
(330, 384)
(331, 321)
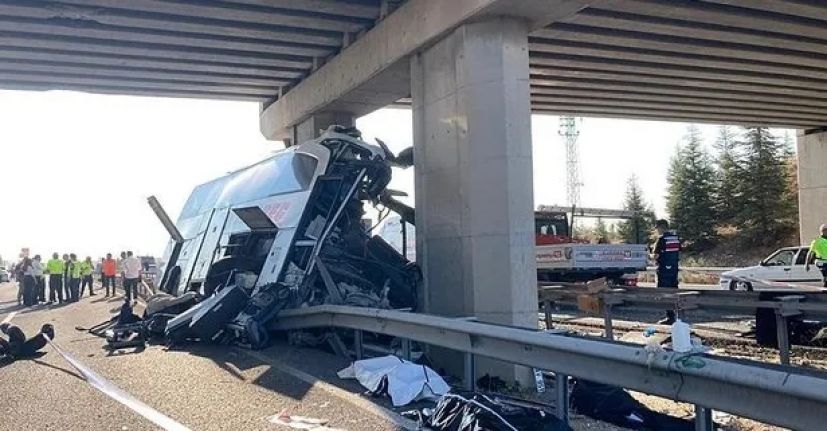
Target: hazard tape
(100, 383)
(9, 317)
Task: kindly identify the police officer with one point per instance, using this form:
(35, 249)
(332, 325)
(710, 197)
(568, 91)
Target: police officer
(55, 267)
(667, 255)
(818, 250)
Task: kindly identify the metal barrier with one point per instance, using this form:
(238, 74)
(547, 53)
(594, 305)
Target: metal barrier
(778, 395)
(809, 305)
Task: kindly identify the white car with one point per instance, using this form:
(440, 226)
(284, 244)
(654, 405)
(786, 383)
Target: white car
(783, 269)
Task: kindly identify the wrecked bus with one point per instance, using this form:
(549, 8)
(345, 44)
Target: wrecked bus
(285, 233)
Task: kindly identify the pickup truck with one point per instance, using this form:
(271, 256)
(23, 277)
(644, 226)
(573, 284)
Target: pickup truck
(574, 262)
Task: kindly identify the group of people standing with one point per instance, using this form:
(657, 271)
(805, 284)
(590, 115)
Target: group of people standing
(69, 277)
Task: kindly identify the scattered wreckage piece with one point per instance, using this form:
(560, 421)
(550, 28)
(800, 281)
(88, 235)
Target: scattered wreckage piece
(616, 406)
(20, 347)
(476, 411)
(301, 422)
(285, 233)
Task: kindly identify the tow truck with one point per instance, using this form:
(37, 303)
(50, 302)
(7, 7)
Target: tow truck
(560, 256)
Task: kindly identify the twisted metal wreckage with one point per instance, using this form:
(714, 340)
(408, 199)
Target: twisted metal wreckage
(287, 232)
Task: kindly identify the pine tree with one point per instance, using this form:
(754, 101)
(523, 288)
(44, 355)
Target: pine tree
(728, 165)
(601, 232)
(767, 212)
(637, 229)
(691, 191)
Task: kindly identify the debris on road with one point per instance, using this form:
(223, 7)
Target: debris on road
(404, 381)
(20, 347)
(301, 422)
(616, 406)
(476, 411)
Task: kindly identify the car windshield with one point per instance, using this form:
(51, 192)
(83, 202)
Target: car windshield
(781, 258)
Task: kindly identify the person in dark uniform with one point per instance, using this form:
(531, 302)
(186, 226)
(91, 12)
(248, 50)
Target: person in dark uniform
(667, 256)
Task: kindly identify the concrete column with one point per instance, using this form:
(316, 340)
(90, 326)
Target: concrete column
(312, 127)
(812, 183)
(473, 174)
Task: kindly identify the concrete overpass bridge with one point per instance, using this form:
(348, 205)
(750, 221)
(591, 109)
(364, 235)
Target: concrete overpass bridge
(472, 70)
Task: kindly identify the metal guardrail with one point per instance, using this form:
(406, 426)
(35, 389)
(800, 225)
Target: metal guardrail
(773, 394)
(795, 303)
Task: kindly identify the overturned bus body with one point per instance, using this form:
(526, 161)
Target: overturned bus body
(288, 233)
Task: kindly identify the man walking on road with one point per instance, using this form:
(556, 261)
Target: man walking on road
(55, 268)
(109, 270)
(667, 252)
(86, 270)
(818, 250)
(131, 276)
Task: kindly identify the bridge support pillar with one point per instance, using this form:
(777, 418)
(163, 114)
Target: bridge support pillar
(473, 179)
(812, 182)
(312, 127)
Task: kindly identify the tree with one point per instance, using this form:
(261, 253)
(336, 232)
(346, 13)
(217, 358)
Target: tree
(767, 214)
(728, 166)
(601, 232)
(637, 229)
(691, 191)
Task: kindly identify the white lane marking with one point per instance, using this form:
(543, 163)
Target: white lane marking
(9, 317)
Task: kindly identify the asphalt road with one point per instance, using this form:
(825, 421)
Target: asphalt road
(203, 387)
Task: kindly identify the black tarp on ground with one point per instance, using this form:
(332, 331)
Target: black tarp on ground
(477, 412)
(616, 406)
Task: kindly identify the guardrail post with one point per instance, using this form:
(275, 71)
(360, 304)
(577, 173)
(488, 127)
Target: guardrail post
(470, 372)
(358, 350)
(561, 387)
(406, 349)
(607, 321)
(783, 337)
(548, 317)
(703, 419)
(788, 308)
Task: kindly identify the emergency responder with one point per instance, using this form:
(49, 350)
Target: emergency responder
(55, 267)
(818, 251)
(109, 271)
(86, 270)
(74, 277)
(666, 253)
(67, 286)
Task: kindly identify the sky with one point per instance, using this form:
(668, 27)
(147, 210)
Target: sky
(76, 169)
